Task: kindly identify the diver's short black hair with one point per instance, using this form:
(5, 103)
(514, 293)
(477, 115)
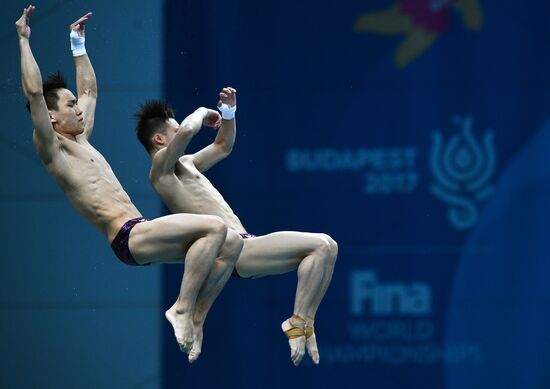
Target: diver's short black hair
(151, 117)
(50, 87)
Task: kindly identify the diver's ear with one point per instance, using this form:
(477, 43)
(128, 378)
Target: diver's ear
(52, 119)
(159, 139)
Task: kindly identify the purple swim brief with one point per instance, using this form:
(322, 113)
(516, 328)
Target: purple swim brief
(120, 243)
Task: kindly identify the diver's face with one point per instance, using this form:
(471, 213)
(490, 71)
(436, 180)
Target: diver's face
(67, 118)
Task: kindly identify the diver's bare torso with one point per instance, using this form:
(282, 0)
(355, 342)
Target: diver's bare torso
(188, 190)
(90, 184)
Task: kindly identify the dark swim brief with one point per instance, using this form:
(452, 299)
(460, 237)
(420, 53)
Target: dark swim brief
(120, 243)
(247, 235)
(244, 236)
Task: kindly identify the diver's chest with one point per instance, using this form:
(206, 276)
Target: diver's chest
(187, 171)
(87, 157)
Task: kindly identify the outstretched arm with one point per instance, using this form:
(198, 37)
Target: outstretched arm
(45, 138)
(225, 139)
(85, 76)
(187, 129)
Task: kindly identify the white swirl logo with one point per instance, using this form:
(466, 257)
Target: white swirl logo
(462, 169)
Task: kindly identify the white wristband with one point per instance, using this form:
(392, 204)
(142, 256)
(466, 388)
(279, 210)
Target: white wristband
(228, 112)
(77, 44)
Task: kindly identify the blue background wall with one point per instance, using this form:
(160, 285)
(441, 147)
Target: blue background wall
(431, 175)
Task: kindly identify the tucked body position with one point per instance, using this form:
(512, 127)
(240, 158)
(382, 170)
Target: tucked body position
(63, 124)
(179, 180)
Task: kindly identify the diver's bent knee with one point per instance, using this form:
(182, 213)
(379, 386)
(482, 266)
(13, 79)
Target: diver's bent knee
(216, 226)
(332, 246)
(323, 245)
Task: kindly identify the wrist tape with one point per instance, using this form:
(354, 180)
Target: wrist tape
(77, 44)
(227, 112)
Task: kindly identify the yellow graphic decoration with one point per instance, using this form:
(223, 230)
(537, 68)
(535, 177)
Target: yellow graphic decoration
(420, 21)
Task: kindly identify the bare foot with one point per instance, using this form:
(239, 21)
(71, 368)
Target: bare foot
(294, 330)
(311, 344)
(197, 344)
(183, 328)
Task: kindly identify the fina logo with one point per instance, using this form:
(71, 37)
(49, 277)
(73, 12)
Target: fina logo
(414, 299)
(463, 169)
